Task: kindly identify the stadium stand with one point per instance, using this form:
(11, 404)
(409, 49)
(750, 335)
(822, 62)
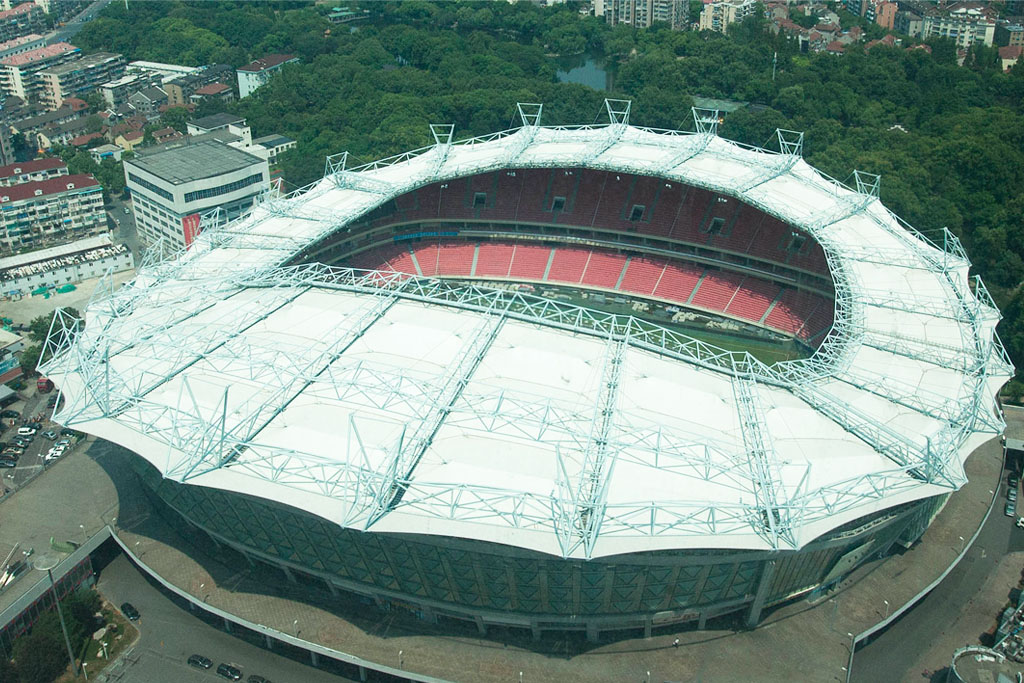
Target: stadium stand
(494, 260)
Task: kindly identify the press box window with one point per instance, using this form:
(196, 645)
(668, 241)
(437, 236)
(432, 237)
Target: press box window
(558, 204)
(479, 200)
(796, 241)
(716, 226)
(637, 213)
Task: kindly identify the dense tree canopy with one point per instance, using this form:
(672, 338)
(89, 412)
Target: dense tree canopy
(947, 140)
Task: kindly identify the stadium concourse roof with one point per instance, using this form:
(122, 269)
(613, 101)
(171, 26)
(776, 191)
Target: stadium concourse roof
(391, 403)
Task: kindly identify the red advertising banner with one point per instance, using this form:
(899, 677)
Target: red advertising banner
(190, 227)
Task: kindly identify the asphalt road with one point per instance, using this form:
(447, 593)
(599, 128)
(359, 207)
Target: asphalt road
(169, 634)
(74, 25)
(889, 655)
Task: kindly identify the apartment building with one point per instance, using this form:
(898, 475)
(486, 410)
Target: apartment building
(117, 91)
(32, 171)
(21, 20)
(171, 187)
(253, 75)
(180, 90)
(642, 13)
(64, 264)
(717, 16)
(16, 46)
(965, 26)
(62, 208)
(20, 74)
(78, 77)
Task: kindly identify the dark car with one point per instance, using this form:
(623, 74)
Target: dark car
(10, 413)
(68, 432)
(199, 662)
(256, 679)
(129, 611)
(7, 462)
(229, 672)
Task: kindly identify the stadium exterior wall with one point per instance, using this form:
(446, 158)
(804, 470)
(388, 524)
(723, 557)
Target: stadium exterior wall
(496, 585)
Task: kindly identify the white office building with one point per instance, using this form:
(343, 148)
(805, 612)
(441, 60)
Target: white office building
(64, 264)
(171, 187)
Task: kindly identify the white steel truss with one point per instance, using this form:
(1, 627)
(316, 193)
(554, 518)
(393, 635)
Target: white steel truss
(190, 313)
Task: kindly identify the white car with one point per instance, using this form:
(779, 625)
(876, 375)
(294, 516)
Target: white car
(26, 431)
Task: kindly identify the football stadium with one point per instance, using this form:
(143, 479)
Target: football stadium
(580, 378)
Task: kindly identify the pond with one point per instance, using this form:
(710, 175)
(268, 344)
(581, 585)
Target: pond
(585, 69)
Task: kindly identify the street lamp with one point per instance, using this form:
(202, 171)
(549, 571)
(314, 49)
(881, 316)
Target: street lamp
(84, 538)
(886, 608)
(295, 627)
(46, 563)
(962, 543)
(400, 653)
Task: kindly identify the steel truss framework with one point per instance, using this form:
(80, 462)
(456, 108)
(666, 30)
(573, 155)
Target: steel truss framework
(175, 294)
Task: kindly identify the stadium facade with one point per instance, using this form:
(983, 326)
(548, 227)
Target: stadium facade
(421, 430)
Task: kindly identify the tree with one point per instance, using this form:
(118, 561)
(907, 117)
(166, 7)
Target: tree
(39, 327)
(41, 656)
(176, 118)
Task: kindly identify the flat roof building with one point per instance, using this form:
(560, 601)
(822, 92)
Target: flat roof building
(78, 77)
(64, 264)
(117, 91)
(34, 213)
(274, 145)
(172, 186)
(255, 74)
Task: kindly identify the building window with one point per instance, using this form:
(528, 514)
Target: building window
(479, 200)
(796, 241)
(151, 187)
(716, 225)
(222, 189)
(637, 213)
(557, 204)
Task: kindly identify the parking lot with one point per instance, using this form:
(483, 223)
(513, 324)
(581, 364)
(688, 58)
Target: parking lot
(33, 409)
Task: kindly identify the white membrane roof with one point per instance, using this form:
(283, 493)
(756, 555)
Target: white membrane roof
(397, 404)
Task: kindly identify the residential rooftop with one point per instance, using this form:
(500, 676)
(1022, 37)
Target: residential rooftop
(16, 193)
(84, 62)
(190, 160)
(39, 54)
(20, 40)
(34, 166)
(268, 62)
(217, 121)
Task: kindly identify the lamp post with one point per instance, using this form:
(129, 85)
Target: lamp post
(295, 627)
(963, 543)
(400, 659)
(46, 563)
(886, 608)
(84, 537)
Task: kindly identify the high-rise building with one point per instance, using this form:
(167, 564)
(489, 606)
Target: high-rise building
(61, 208)
(78, 77)
(965, 25)
(20, 74)
(643, 13)
(171, 187)
(255, 74)
(717, 16)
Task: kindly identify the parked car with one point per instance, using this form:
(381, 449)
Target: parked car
(64, 443)
(7, 462)
(229, 672)
(129, 611)
(50, 434)
(69, 432)
(10, 413)
(199, 662)
(127, 210)
(1011, 494)
(1010, 510)
(26, 431)
(256, 679)
(1013, 481)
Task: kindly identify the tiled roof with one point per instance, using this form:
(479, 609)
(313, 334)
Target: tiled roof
(38, 54)
(264, 63)
(212, 89)
(16, 193)
(34, 166)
